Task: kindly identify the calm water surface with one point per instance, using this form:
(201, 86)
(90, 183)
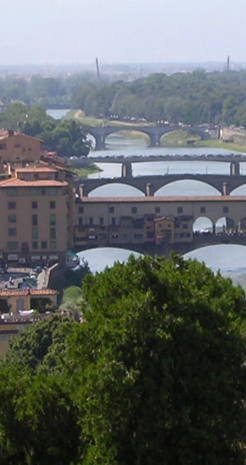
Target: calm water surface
(57, 113)
(230, 259)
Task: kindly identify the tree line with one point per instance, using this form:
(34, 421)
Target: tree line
(154, 373)
(191, 98)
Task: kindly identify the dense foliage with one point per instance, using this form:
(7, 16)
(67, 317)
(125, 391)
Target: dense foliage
(67, 138)
(155, 374)
(191, 98)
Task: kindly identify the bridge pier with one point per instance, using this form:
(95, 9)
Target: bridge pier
(100, 142)
(234, 168)
(126, 170)
(148, 190)
(155, 139)
(224, 188)
(82, 192)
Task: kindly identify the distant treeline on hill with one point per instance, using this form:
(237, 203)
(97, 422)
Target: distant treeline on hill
(192, 98)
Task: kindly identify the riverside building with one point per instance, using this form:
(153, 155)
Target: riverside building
(36, 202)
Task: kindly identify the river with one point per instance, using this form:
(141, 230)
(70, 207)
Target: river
(229, 259)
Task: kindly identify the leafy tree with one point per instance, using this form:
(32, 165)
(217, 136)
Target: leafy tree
(38, 421)
(72, 301)
(41, 346)
(160, 365)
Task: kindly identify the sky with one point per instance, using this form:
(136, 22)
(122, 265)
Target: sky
(122, 31)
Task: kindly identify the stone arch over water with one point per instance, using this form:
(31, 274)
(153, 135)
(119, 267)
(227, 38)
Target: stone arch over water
(116, 190)
(187, 187)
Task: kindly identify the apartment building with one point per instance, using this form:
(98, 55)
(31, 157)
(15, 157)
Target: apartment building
(15, 146)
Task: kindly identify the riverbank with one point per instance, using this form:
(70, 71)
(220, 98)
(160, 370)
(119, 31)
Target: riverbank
(171, 139)
(84, 172)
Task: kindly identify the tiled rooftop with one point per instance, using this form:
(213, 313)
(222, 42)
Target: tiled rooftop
(23, 292)
(15, 182)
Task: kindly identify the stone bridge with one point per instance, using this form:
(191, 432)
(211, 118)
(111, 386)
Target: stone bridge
(155, 133)
(149, 185)
(199, 241)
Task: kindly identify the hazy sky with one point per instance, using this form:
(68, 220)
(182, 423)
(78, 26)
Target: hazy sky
(121, 31)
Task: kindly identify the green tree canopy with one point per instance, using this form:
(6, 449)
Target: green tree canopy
(160, 363)
(41, 346)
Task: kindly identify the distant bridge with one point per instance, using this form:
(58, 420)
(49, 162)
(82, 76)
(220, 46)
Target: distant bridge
(155, 133)
(199, 241)
(126, 162)
(149, 185)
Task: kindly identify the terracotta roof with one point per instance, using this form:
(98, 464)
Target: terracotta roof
(23, 292)
(5, 135)
(144, 199)
(16, 182)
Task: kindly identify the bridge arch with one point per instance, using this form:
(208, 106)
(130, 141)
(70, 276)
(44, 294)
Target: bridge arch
(153, 132)
(145, 134)
(240, 190)
(116, 190)
(203, 224)
(186, 187)
(225, 225)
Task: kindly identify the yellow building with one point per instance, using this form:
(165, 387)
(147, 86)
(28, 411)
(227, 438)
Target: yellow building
(15, 146)
(35, 214)
(16, 300)
(164, 230)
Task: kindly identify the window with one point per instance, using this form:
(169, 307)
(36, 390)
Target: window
(202, 209)
(90, 221)
(150, 235)
(157, 209)
(225, 209)
(34, 220)
(34, 205)
(111, 209)
(81, 221)
(12, 232)
(12, 218)
(113, 221)
(34, 233)
(101, 221)
(27, 177)
(52, 191)
(81, 209)
(134, 209)
(35, 245)
(34, 191)
(52, 204)
(52, 233)
(12, 205)
(2, 146)
(43, 191)
(12, 245)
(180, 209)
(36, 176)
(52, 219)
(185, 226)
(43, 245)
(17, 146)
(53, 245)
(138, 236)
(12, 191)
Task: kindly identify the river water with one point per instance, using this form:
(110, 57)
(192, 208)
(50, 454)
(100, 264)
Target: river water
(229, 259)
